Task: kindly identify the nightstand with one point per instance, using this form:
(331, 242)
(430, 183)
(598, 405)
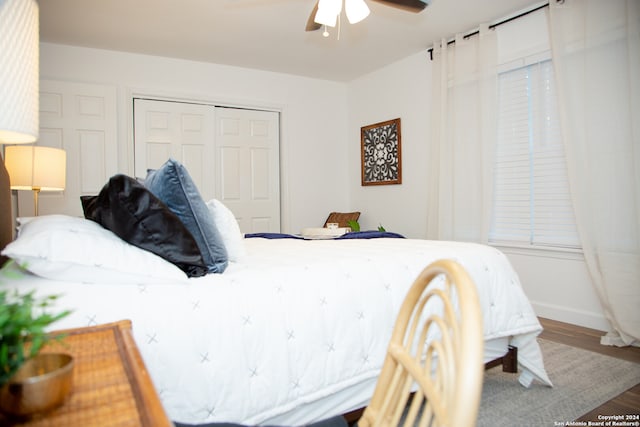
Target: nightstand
(111, 386)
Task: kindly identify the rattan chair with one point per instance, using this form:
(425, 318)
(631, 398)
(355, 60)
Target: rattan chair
(432, 374)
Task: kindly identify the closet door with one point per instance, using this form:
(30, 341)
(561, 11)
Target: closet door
(232, 154)
(182, 131)
(247, 167)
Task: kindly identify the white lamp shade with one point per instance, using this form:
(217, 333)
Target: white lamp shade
(356, 10)
(33, 167)
(19, 67)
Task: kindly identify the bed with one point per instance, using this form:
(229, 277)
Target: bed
(283, 331)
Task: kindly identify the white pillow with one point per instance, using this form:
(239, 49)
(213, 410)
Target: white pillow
(66, 248)
(228, 228)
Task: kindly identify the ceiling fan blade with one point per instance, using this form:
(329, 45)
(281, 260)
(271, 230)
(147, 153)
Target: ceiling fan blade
(409, 5)
(311, 24)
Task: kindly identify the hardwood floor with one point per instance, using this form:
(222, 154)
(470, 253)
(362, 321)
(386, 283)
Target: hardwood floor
(626, 403)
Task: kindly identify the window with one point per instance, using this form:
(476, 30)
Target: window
(531, 199)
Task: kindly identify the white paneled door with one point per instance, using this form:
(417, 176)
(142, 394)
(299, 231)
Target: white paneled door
(232, 154)
(81, 119)
(247, 167)
(178, 130)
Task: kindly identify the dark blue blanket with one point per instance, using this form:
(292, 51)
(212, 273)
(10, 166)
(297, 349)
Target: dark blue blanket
(273, 236)
(371, 234)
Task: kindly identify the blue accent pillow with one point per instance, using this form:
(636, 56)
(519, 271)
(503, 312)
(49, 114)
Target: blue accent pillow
(172, 184)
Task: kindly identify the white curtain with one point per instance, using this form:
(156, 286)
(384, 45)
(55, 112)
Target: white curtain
(596, 55)
(464, 117)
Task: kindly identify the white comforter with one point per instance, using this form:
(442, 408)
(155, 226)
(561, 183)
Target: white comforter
(294, 332)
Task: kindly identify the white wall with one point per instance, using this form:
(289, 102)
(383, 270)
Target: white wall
(557, 282)
(399, 90)
(558, 285)
(314, 169)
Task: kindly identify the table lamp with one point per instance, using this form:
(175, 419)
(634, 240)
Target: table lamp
(35, 168)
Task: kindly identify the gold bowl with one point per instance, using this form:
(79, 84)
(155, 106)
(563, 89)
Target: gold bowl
(41, 384)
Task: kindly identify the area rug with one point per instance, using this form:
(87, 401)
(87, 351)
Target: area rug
(582, 380)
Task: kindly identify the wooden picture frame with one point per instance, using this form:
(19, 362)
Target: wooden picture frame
(381, 161)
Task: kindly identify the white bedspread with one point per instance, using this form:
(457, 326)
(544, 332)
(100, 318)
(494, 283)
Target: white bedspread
(297, 330)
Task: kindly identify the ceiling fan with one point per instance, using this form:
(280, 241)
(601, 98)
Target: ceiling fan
(325, 12)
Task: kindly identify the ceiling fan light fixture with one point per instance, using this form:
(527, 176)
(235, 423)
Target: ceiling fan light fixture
(332, 6)
(356, 10)
(328, 11)
(325, 18)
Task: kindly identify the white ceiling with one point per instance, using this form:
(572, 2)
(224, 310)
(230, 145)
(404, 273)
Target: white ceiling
(264, 34)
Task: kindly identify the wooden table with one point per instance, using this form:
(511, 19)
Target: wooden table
(111, 386)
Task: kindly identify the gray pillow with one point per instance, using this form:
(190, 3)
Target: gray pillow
(172, 184)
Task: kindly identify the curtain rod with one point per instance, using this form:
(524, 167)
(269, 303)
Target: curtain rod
(492, 26)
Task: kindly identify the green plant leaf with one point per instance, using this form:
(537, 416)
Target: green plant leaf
(354, 225)
(24, 318)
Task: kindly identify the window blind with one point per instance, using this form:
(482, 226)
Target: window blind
(531, 200)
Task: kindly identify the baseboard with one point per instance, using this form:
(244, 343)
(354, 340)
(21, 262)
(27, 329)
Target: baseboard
(570, 315)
